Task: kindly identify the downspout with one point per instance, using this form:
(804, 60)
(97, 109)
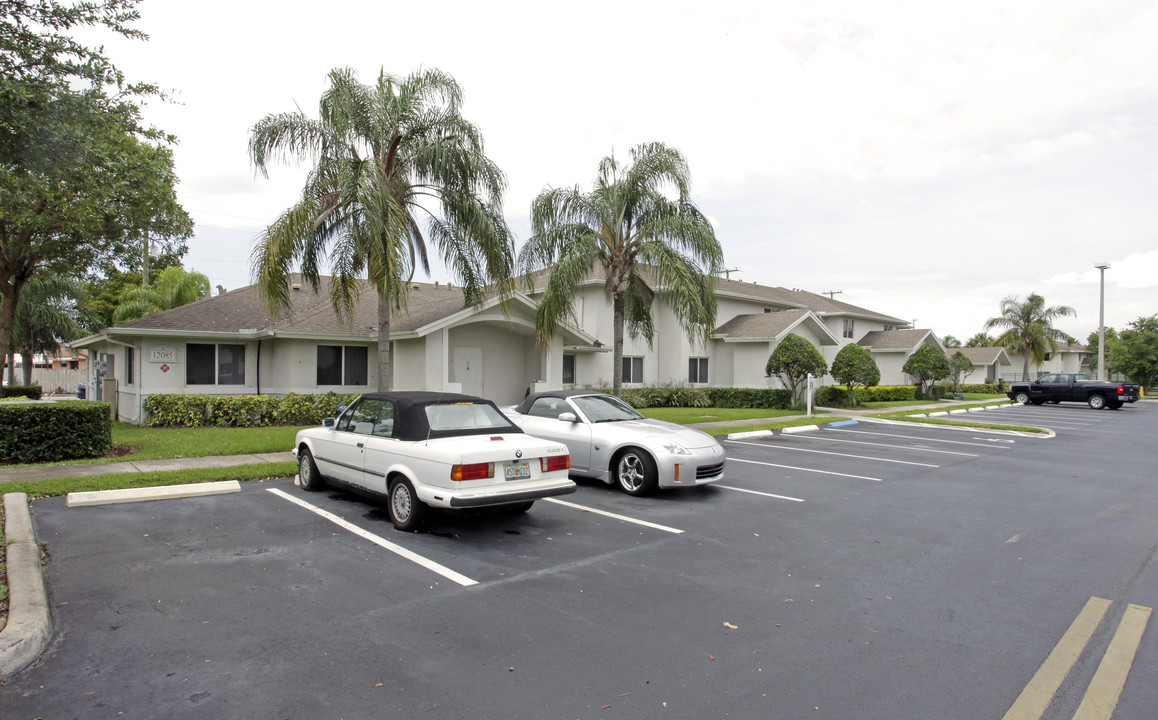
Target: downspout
(259, 366)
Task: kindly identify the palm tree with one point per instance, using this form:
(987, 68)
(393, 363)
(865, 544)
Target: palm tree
(383, 154)
(173, 287)
(981, 339)
(51, 311)
(1029, 327)
(641, 241)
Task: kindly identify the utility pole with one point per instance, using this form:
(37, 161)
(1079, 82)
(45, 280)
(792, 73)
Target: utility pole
(832, 293)
(728, 273)
(145, 262)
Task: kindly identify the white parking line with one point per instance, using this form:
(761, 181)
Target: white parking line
(624, 518)
(804, 469)
(827, 452)
(825, 438)
(379, 541)
(921, 438)
(757, 492)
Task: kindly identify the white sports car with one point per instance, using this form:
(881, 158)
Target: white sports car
(610, 440)
(421, 449)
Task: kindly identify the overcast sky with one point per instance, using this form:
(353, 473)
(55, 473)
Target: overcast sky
(924, 159)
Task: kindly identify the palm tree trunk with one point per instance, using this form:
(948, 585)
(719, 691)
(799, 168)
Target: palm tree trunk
(1025, 367)
(617, 345)
(26, 359)
(385, 355)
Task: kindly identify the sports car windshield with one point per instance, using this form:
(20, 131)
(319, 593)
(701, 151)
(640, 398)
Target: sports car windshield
(605, 408)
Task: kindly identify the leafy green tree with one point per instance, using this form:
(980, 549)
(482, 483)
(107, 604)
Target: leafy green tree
(638, 239)
(1092, 345)
(855, 367)
(981, 339)
(51, 311)
(1029, 329)
(928, 365)
(173, 287)
(793, 360)
(384, 153)
(1135, 353)
(951, 342)
(81, 178)
(959, 367)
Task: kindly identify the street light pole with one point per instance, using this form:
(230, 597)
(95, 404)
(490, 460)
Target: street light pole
(1102, 267)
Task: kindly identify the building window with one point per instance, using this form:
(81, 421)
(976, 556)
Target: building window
(129, 353)
(697, 370)
(338, 365)
(214, 364)
(848, 327)
(632, 369)
(568, 369)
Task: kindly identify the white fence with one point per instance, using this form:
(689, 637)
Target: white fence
(50, 379)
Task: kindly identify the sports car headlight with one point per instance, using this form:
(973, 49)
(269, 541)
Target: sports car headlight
(672, 446)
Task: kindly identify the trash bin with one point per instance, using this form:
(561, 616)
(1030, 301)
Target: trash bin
(80, 390)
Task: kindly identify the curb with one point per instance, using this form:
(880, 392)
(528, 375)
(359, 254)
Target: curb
(29, 627)
(164, 492)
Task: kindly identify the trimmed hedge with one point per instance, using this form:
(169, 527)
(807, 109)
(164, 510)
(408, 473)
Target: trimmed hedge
(164, 410)
(32, 392)
(837, 395)
(680, 396)
(48, 432)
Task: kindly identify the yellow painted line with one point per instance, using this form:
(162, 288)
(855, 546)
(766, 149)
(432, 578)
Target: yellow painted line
(1102, 696)
(1031, 704)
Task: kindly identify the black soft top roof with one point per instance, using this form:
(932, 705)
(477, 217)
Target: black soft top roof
(410, 421)
(524, 406)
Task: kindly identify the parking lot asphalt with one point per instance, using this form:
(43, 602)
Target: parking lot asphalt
(869, 571)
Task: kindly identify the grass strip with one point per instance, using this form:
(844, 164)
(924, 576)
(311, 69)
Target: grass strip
(776, 425)
(948, 420)
(120, 481)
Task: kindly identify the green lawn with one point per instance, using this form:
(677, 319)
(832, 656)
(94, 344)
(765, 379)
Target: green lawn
(144, 443)
(688, 416)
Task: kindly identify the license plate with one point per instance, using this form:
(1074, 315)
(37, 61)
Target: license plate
(517, 471)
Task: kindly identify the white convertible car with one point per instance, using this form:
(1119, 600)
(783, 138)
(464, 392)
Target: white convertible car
(608, 439)
(421, 449)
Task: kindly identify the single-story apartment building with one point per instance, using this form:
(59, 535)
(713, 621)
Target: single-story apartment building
(231, 344)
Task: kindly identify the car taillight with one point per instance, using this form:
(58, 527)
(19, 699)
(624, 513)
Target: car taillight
(1121, 390)
(555, 462)
(474, 471)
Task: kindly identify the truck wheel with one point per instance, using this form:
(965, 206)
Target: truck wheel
(1097, 402)
(1021, 397)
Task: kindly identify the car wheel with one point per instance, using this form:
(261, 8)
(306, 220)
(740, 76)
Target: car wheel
(308, 476)
(635, 472)
(406, 511)
(1097, 402)
(1022, 398)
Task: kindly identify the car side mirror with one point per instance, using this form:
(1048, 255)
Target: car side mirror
(568, 417)
(329, 422)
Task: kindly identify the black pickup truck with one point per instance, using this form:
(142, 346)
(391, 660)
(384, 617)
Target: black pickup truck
(1074, 387)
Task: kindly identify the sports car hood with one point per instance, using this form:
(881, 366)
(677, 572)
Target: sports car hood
(686, 436)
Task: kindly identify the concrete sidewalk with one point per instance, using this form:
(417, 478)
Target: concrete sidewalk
(43, 472)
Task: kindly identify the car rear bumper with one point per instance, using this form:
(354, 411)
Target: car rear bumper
(439, 497)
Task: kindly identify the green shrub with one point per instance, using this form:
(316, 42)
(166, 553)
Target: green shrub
(48, 432)
(749, 398)
(241, 410)
(833, 396)
(32, 392)
(988, 388)
(887, 393)
(309, 409)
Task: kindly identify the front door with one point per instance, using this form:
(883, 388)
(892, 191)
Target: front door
(468, 370)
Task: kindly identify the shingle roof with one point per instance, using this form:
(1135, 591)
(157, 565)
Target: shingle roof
(310, 312)
(760, 325)
(983, 355)
(894, 339)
